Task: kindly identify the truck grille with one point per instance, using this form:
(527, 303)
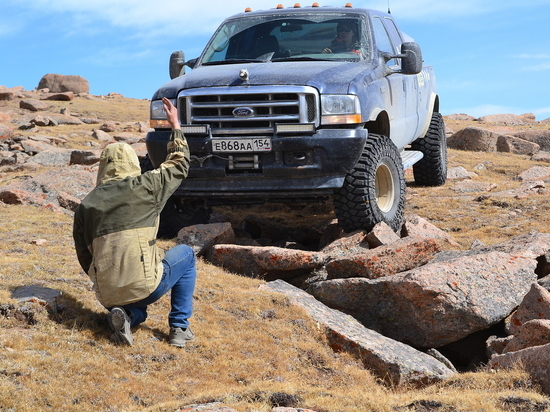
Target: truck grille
(263, 107)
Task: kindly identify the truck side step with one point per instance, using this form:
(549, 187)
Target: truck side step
(410, 157)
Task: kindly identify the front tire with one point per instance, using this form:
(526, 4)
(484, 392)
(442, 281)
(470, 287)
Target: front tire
(431, 170)
(374, 191)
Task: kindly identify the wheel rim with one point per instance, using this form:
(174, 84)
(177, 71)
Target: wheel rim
(385, 188)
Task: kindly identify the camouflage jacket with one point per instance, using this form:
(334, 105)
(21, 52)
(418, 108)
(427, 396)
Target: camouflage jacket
(116, 224)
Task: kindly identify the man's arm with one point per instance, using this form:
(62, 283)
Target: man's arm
(177, 142)
(176, 165)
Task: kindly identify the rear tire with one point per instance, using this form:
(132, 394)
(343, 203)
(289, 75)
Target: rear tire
(431, 170)
(374, 191)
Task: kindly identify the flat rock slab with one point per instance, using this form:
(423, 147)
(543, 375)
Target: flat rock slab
(393, 362)
(201, 238)
(267, 263)
(34, 293)
(206, 407)
(399, 256)
(438, 303)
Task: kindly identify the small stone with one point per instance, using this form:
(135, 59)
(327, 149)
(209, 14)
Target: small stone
(38, 242)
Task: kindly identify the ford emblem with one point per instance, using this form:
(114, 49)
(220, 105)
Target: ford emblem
(243, 112)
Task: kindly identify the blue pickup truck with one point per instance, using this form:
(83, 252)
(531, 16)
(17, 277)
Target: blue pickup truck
(303, 104)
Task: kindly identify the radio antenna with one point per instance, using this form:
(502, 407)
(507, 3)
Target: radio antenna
(389, 11)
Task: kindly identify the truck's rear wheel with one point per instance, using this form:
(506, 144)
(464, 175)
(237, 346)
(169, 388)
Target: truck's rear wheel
(374, 191)
(431, 170)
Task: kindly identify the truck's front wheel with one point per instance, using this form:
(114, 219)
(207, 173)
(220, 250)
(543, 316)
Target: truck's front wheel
(374, 191)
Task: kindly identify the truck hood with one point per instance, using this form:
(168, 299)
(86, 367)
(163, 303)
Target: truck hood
(327, 77)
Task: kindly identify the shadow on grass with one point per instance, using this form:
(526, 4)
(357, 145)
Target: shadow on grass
(72, 314)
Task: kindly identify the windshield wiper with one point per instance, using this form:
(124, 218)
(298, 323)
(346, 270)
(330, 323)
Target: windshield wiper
(300, 58)
(232, 61)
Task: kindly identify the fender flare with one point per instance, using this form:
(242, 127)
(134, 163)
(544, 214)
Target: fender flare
(433, 99)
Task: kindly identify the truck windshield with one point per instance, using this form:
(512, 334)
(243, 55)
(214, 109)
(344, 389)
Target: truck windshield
(261, 38)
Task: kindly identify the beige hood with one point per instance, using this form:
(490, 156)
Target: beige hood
(117, 161)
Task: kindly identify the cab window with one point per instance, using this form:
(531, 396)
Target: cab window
(383, 40)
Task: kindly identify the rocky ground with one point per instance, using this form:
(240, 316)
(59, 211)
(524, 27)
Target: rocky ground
(449, 282)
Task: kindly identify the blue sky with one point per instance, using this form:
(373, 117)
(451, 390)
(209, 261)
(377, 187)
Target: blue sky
(490, 56)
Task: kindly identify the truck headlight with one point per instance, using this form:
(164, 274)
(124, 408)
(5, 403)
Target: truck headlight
(340, 109)
(158, 115)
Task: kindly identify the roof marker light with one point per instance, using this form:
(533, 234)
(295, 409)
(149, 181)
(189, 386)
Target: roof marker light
(349, 5)
(297, 5)
(315, 5)
(280, 6)
(248, 10)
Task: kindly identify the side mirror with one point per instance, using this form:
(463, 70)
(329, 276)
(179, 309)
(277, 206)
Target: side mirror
(411, 58)
(177, 64)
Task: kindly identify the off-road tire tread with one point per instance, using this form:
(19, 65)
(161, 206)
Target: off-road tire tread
(355, 203)
(431, 170)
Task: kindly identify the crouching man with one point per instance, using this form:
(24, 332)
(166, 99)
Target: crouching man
(115, 230)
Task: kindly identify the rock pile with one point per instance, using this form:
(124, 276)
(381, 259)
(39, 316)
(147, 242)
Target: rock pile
(528, 340)
(38, 147)
(478, 139)
(416, 289)
(391, 361)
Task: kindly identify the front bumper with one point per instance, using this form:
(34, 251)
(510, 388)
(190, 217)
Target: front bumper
(298, 168)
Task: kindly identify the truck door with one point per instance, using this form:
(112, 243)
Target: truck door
(402, 108)
(410, 85)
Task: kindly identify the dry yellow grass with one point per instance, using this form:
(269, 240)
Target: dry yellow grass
(250, 344)
(491, 218)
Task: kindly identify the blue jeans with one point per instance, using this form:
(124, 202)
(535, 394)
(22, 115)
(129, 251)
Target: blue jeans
(179, 275)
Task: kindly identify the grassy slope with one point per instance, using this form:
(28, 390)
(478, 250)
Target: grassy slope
(249, 344)
(490, 220)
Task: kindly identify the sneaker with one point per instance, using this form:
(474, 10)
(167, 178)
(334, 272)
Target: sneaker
(120, 324)
(179, 336)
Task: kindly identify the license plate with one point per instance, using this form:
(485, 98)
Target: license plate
(241, 145)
